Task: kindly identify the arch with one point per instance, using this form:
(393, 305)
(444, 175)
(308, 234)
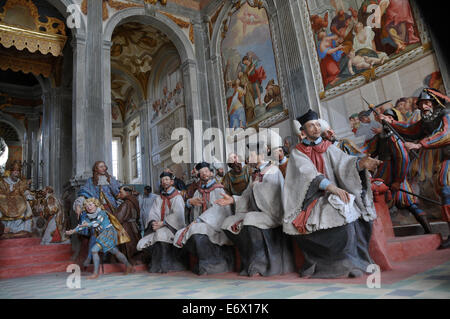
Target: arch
(157, 20)
(162, 60)
(15, 124)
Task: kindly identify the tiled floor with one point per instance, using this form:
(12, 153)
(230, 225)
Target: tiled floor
(433, 283)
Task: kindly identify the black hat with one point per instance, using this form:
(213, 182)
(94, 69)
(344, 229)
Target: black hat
(164, 174)
(201, 165)
(390, 112)
(309, 116)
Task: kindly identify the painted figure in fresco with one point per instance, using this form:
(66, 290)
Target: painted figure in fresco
(399, 24)
(166, 218)
(255, 227)
(330, 54)
(15, 211)
(394, 171)
(204, 237)
(109, 234)
(247, 18)
(273, 95)
(251, 66)
(128, 215)
(328, 208)
(432, 134)
(235, 105)
(249, 96)
(238, 178)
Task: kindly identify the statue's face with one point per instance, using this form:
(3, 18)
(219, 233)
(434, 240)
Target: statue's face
(15, 174)
(101, 168)
(426, 106)
(91, 208)
(312, 129)
(166, 182)
(205, 174)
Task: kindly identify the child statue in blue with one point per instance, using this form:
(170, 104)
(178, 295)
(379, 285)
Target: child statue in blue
(102, 186)
(109, 234)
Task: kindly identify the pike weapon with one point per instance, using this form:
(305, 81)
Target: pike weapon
(386, 124)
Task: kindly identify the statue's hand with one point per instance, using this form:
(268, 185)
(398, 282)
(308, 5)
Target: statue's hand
(225, 200)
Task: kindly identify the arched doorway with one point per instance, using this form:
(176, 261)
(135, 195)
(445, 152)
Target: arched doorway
(153, 91)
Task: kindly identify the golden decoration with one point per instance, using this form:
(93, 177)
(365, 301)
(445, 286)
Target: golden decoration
(45, 37)
(26, 66)
(31, 40)
(213, 20)
(191, 33)
(181, 23)
(322, 95)
(369, 75)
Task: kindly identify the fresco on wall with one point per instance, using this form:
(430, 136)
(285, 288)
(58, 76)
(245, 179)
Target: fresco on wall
(250, 76)
(356, 36)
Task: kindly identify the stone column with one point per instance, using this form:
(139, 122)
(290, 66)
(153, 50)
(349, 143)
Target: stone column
(92, 102)
(192, 102)
(201, 43)
(296, 67)
(56, 135)
(79, 127)
(33, 148)
(145, 143)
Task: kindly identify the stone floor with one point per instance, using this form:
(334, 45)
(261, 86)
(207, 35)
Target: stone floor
(424, 277)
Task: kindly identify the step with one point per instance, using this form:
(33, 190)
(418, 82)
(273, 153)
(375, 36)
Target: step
(22, 260)
(20, 242)
(33, 250)
(403, 248)
(35, 269)
(416, 229)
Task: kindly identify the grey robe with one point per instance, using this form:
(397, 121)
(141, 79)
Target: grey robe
(260, 204)
(263, 247)
(210, 222)
(341, 170)
(174, 217)
(336, 239)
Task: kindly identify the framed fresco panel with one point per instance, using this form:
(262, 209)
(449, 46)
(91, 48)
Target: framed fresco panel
(252, 89)
(357, 41)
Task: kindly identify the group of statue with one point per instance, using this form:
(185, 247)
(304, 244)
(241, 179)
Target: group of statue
(24, 213)
(318, 197)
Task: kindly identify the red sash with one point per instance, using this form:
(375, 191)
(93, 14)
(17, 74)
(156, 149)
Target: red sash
(315, 154)
(166, 200)
(206, 194)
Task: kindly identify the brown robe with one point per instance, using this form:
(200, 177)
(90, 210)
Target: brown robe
(128, 215)
(283, 167)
